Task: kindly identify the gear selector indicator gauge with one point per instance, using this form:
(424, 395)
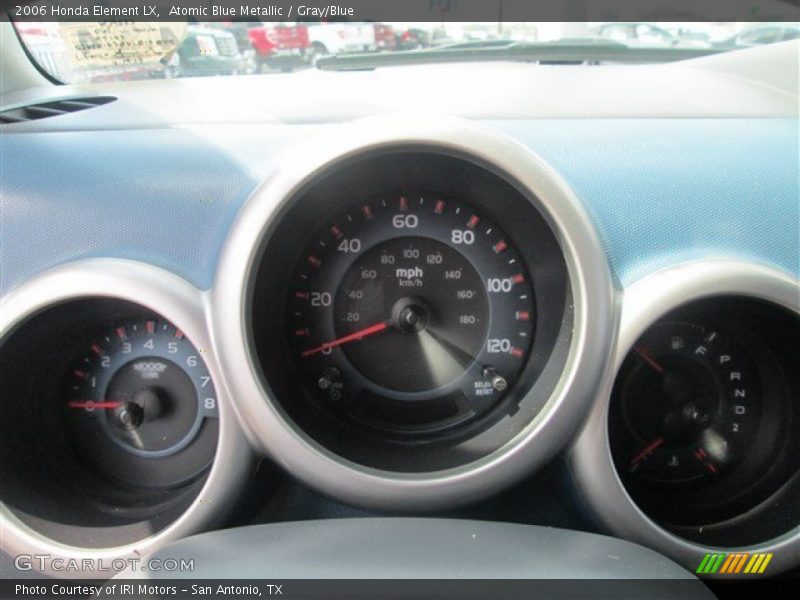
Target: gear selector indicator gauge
(689, 401)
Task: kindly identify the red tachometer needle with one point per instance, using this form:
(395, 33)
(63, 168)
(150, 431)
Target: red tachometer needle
(90, 404)
(649, 359)
(361, 333)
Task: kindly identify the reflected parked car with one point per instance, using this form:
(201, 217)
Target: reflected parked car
(340, 38)
(240, 31)
(413, 39)
(280, 46)
(206, 51)
(763, 34)
(645, 35)
(385, 38)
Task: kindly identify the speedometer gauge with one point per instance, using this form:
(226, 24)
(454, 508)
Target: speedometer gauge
(412, 312)
(409, 311)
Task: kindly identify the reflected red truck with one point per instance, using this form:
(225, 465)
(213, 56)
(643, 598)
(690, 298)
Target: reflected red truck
(384, 37)
(280, 46)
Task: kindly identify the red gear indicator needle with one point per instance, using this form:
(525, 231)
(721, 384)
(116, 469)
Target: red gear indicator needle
(645, 354)
(360, 334)
(646, 451)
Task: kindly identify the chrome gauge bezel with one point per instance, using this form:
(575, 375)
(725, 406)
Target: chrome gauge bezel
(592, 290)
(643, 304)
(185, 306)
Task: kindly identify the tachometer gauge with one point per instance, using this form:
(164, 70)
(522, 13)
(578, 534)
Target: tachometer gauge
(411, 312)
(139, 399)
(689, 401)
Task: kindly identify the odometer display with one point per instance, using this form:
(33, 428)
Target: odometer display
(412, 312)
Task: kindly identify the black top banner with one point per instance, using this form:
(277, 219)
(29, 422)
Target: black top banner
(402, 10)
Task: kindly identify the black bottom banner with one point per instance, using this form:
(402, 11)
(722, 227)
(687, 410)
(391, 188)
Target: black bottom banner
(296, 589)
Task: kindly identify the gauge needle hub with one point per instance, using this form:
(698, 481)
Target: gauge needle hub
(360, 334)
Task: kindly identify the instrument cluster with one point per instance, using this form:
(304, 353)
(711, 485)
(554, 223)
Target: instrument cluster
(410, 317)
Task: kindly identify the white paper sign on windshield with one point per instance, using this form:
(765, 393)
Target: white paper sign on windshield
(113, 44)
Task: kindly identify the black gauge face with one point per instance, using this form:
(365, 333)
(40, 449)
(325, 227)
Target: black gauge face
(689, 403)
(140, 391)
(412, 312)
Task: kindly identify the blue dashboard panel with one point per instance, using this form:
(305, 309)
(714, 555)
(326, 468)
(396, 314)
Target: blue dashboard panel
(659, 191)
(162, 196)
(663, 191)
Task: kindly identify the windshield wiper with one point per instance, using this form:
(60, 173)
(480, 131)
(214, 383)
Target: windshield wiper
(561, 52)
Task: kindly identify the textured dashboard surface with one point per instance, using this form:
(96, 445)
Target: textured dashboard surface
(664, 191)
(398, 548)
(759, 82)
(659, 191)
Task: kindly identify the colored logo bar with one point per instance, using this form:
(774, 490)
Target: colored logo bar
(733, 563)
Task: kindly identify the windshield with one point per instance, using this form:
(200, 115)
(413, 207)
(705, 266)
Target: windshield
(89, 52)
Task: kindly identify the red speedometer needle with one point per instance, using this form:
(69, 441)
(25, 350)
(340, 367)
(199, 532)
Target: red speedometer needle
(649, 359)
(360, 334)
(90, 404)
